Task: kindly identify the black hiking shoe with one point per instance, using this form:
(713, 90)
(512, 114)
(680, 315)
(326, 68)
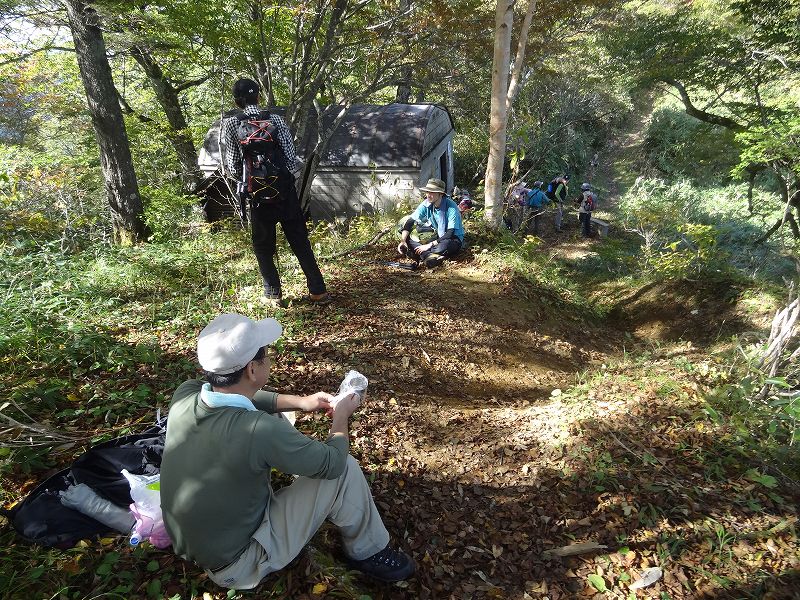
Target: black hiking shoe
(387, 565)
(434, 260)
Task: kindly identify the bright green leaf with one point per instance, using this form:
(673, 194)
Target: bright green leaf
(597, 582)
(765, 480)
(778, 381)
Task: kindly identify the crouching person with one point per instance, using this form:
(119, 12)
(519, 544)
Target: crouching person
(536, 200)
(225, 435)
(439, 213)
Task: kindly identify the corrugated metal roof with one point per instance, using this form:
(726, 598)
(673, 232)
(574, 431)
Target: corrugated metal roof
(386, 136)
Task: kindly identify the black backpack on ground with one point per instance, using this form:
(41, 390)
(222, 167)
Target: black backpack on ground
(42, 519)
(264, 172)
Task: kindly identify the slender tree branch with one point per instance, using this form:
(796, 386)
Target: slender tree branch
(519, 59)
(702, 115)
(185, 85)
(27, 55)
(128, 110)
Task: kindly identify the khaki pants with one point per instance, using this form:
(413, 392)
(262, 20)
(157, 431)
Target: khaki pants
(293, 517)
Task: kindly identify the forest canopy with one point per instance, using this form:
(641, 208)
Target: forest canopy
(729, 66)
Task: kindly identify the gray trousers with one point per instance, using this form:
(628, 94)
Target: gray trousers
(295, 514)
(559, 215)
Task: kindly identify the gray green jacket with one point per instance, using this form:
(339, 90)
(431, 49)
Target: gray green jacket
(561, 192)
(215, 473)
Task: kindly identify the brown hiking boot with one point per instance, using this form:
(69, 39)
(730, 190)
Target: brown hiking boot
(323, 298)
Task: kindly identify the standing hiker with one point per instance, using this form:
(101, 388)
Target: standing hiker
(260, 153)
(585, 208)
(557, 191)
(439, 214)
(536, 200)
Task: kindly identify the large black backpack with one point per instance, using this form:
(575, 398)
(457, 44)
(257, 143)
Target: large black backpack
(264, 171)
(42, 519)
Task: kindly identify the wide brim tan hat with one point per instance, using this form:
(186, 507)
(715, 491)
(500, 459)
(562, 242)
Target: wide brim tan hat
(433, 185)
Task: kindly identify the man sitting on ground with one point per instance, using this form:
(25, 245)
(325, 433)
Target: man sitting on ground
(223, 439)
(441, 214)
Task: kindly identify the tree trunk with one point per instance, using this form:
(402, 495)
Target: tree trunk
(493, 194)
(403, 94)
(178, 133)
(122, 189)
(321, 148)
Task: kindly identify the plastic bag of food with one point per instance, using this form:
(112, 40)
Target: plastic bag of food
(146, 509)
(353, 382)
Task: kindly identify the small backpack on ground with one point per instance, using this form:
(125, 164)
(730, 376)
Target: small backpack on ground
(264, 171)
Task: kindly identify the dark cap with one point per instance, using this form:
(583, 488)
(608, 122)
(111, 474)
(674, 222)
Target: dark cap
(244, 88)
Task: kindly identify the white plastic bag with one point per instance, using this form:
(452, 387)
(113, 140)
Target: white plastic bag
(146, 508)
(353, 382)
(647, 578)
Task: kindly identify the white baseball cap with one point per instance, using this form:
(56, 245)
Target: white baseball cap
(231, 341)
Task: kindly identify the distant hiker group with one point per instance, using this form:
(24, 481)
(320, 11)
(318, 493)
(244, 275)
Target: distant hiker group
(533, 203)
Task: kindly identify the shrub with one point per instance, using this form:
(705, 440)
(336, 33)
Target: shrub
(676, 222)
(676, 144)
(50, 200)
(166, 210)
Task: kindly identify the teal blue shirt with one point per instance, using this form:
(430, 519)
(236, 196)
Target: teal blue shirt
(537, 198)
(431, 216)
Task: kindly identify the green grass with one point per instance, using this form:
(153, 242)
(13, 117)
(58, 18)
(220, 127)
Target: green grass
(94, 338)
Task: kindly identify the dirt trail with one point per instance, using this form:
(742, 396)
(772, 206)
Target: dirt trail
(480, 463)
(496, 431)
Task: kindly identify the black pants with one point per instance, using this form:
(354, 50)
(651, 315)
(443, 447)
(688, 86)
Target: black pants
(264, 219)
(448, 247)
(586, 222)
